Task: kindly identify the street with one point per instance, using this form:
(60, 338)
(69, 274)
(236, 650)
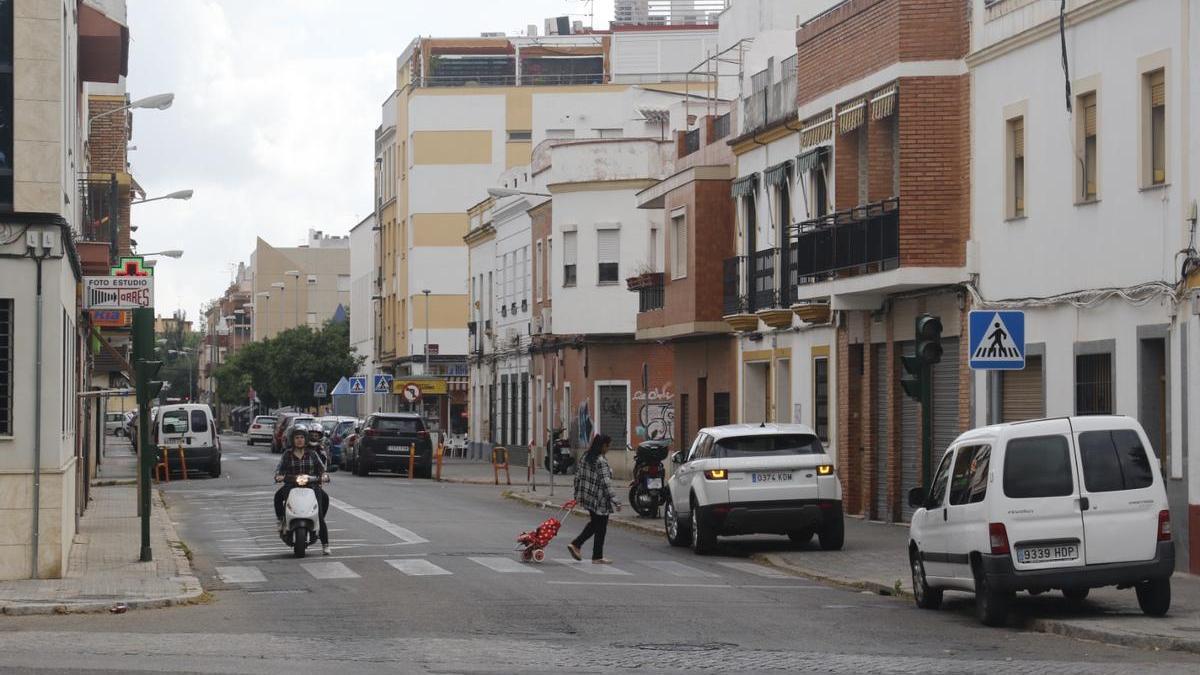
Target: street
(422, 579)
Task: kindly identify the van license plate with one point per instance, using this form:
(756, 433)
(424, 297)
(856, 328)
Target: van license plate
(1051, 553)
(771, 477)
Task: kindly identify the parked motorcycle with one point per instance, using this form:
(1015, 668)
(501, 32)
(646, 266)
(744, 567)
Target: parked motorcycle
(647, 489)
(558, 453)
(301, 514)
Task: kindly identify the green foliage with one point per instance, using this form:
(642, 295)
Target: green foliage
(282, 369)
(176, 365)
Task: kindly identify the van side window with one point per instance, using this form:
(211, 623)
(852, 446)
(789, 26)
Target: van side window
(937, 494)
(968, 483)
(199, 422)
(175, 422)
(1114, 460)
(1038, 466)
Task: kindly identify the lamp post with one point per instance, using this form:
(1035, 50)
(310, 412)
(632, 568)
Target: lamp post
(500, 192)
(158, 102)
(295, 274)
(178, 194)
(169, 253)
(266, 296)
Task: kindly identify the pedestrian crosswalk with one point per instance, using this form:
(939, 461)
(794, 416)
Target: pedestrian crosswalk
(632, 573)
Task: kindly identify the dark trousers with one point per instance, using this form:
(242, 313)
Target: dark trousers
(322, 500)
(597, 527)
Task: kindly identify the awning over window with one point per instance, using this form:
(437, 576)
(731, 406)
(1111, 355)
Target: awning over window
(778, 174)
(883, 102)
(103, 46)
(817, 129)
(852, 116)
(807, 161)
(746, 185)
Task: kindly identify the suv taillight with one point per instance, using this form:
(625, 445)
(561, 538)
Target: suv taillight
(422, 434)
(372, 433)
(998, 538)
(1164, 525)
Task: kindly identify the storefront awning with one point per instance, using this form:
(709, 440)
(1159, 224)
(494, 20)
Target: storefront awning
(778, 173)
(807, 161)
(103, 46)
(746, 185)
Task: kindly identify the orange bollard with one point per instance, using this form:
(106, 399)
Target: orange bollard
(183, 462)
(497, 466)
(441, 450)
(162, 466)
(412, 461)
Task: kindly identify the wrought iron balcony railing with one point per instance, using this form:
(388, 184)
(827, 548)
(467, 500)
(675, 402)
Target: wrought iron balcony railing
(862, 239)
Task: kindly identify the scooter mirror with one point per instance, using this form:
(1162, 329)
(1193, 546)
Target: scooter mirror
(677, 458)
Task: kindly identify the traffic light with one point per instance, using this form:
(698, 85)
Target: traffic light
(147, 387)
(910, 381)
(929, 338)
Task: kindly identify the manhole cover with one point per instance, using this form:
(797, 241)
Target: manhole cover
(683, 646)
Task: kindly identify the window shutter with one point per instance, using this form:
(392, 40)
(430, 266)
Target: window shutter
(570, 252)
(608, 246)
(1018, 132)
(1158, 90)
(1089, 117)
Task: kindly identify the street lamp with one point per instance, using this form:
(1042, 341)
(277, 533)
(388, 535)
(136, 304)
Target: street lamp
(266, 296)
(501, 192)
(158, 102)
(178, 194)
(169, 253)
(295, 274)
(185, 352)
(426, 292)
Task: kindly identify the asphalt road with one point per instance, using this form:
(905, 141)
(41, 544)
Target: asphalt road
(423, 579)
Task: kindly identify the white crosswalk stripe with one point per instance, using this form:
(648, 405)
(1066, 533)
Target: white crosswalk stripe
(417, 567)
(589, 568)
(241, 575)
(505, 565)
(755, 569)
(330, 570)
(677, 569)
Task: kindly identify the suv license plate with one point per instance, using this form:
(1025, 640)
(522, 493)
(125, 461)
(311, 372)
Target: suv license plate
(653, 483)
(1047, 553)
(397, 448)
(771, 477)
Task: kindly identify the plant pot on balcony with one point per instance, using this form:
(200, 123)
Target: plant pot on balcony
(643, 280)
(776, 318)
(742, 323)
(815, 313)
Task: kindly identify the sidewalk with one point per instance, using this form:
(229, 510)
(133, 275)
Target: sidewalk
(103, 570)
(477, 472)
(875, 559)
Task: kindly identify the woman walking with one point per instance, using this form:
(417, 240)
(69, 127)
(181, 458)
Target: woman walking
(593, 489)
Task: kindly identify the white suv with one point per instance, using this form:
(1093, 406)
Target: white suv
(748, 479)
(1071, 504)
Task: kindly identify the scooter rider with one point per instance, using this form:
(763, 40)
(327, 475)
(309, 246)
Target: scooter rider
(302, 460)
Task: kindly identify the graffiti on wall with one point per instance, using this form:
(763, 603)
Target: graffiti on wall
(656, 413)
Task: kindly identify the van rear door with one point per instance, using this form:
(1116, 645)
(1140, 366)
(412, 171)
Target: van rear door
(1040, 505)
(1122, 487)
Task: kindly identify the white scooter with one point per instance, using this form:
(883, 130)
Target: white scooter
(301, 514)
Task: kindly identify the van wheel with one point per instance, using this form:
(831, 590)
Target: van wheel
(991, 605)
(703, 539)
(1154, 596)
(833, 535)
(1076, 594)
(214, 469)
(926, 597)
(678, 533)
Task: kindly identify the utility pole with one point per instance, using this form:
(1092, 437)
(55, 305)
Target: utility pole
(147, 390)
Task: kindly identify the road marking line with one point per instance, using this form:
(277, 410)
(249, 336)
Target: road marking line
(417, 567)
(403, 534)
(333, 570)
(801, 587)
(590, 568)
(677, 568)
(241, 575)
(505, 565)
(636, 583)
(755, 569)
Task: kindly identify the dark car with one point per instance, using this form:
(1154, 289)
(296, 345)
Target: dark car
(283, 427)
(384, 444)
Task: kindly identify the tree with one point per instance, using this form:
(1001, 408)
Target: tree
(176, 366)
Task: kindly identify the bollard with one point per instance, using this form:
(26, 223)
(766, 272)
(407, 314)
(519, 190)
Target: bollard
(497, 466)
(441, 450)
(182, 462)
(412, 461)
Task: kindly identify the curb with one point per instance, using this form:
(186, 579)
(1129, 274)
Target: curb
(774, 560)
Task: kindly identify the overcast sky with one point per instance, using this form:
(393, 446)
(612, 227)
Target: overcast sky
(276, 103)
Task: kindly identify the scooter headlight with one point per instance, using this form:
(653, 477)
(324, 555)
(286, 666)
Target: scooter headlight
(302, 480)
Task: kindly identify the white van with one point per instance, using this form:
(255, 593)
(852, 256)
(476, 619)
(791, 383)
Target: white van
(1070, 504)
(189, 426)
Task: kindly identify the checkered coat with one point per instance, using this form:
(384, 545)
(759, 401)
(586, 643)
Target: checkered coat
(593, 486)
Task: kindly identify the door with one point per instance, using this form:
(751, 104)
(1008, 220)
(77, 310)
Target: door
(1040, 504)
(965, 514)
(881, 508)
(1121, 486)
(931, 523)
(946, 427)
(1021, 392)
(614, 413)
(910, 442)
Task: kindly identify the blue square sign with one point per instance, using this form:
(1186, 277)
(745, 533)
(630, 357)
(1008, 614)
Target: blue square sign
(997, 340)
(358, 384)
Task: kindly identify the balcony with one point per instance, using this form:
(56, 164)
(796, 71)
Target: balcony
(861, 240)
(691, 142)
(753, 290)
(721, 124)
(771, 102)
(650, 292)
(101, 212)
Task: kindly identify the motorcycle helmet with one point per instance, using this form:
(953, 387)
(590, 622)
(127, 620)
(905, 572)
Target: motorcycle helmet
(316, 434)
(298, 430)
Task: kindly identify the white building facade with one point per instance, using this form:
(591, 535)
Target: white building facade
(362, 306)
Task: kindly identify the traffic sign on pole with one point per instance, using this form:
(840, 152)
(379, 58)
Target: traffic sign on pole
(997, 340)
(320, 389)
(358, 385)
(383, 383)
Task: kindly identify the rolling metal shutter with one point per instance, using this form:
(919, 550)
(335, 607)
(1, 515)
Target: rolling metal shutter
(910, 441)
(879, 408)
(945, 400)
(1021, 393)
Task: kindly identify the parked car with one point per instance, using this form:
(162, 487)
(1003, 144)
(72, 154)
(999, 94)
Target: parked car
(283, 425)
(114, 423)
(349, 442)
(261, 429)
(336, 429)
(189, 426)
(1071, 504)
(750, 479)
(385, 442)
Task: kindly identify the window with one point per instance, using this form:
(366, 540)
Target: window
(539, 270)
(679, 246)
(1085, 135)
(968, 483)
(1016, 167)
(937, 494)
(721, 408)
(1155, 128)
(608, 255)
(821, 397)
(398, 425)
(653, 257)
(1114, 460)
(570, 257)
(175, 422)
(343, 283)
(1093, 384)
(520, 136)
(1038, 466)
(199, 421)
(769, 445)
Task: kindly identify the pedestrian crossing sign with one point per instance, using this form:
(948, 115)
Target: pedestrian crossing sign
(383, 383)
(997, 340)
(358, 384)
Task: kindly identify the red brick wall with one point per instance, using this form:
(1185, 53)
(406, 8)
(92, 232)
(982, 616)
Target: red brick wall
(881, 157)
(932, 30)
(845, 170)
(934, 170)
(107, 144)
(713, 358)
